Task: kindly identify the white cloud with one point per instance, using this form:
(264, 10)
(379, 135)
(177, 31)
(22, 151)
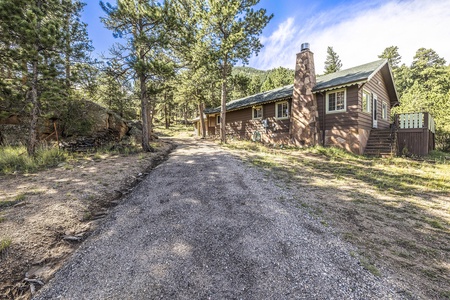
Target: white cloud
(361, 33)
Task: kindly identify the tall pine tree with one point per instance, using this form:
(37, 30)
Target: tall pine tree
(392, 55)
(232, 30)
(31, 31)
(332, 62)
(143, 24)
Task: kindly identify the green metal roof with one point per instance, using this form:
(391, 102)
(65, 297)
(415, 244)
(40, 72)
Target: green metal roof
(272, 95)
(356, 75)
(350, 76)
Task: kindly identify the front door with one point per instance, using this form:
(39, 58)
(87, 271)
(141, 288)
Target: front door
(374, 111)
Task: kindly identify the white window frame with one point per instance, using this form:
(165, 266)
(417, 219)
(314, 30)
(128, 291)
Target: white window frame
(327, 103)
(287, 110)
(368, 102)
(384, 110)
(217, 119)
(255, 109)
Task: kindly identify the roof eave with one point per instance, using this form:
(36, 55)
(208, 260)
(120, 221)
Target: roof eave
(215, 111)
(392, 90)
(329, 88)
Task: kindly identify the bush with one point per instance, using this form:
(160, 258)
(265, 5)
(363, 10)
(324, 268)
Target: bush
(442, 139)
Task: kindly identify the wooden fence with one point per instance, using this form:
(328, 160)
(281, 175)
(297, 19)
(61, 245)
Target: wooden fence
(415, 133)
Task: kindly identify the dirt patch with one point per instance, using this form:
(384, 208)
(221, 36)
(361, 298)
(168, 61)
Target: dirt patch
(49, 213)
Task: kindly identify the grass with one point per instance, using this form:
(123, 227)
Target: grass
(14, 159)
(175, 130)
(5, 243)
(394, 210)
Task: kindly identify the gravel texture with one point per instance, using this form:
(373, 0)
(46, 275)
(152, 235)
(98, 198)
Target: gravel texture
(204, 225)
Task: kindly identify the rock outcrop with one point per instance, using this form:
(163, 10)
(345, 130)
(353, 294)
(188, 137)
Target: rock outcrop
(99, 123)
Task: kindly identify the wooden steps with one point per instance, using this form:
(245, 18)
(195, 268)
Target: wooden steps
(381, 143)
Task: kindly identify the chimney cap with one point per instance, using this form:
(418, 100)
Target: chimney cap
(305, 46)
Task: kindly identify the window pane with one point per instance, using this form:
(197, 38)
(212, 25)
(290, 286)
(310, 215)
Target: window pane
(257, 112)
(285, 110)
(340, 105)
(332, 102)
(366, 102)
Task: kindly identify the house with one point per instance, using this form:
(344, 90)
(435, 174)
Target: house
(342, 109)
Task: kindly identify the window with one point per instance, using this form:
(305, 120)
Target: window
(366, 102)
(384, 111)
(257, 112)
(282, 110)
(218, 120)
(336, 101)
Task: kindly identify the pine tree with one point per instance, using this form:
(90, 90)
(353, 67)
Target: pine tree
(392, 55)
(144, 24)
(232, 30)
(77, 44)
(332, 62)
(278, 77)
(31, 35)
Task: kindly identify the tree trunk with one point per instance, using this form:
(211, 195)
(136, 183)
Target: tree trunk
(151, 113)
(185, 113)
(202, 120)
(166, 116)
(223, 111)
(67, 49)
(144, 115)
(32, 140)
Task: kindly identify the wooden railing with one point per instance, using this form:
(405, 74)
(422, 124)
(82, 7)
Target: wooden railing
(419, 120)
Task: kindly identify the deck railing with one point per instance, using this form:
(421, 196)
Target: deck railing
(419, 120)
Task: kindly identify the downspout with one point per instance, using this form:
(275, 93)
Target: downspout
(324, 118)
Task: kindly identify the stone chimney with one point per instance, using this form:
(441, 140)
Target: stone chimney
(304, 125)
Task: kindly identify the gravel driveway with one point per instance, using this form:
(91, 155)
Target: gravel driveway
(204, 225)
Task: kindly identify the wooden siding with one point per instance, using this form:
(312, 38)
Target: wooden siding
(377, 86)
(354, 117)
(340, 120)
(241, 125)
(211, 125)
(415, 141)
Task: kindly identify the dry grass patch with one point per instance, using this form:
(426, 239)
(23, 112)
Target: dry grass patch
(396, 211)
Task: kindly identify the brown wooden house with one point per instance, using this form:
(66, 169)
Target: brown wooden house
(349, 109)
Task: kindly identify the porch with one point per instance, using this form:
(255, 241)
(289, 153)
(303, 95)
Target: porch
(415, 133)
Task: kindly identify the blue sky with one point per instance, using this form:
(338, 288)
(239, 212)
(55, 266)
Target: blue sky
(358, 31)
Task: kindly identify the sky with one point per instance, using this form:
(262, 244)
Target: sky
(358, 31)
